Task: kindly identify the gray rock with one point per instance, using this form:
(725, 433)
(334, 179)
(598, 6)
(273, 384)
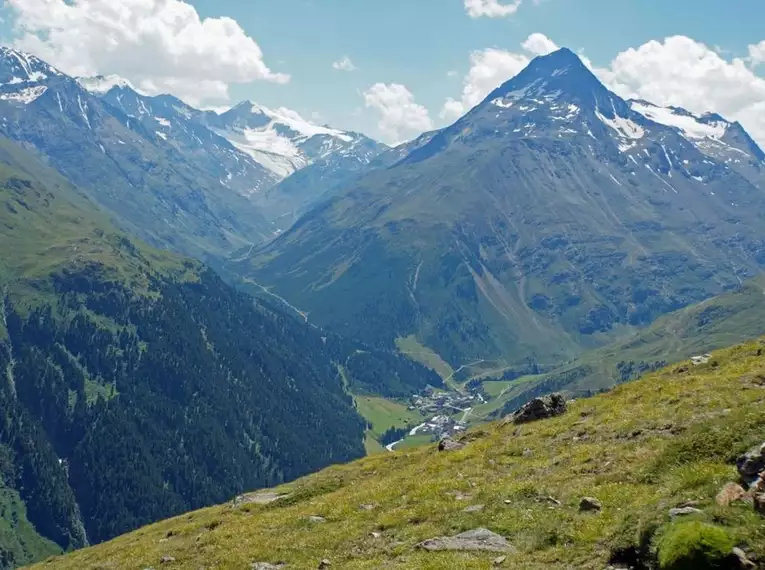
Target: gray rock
(473, 509)
(540, 409)
(367, 507)
(324, 564)
(500, 560)
(266, 566)
(742, 560)
(751, 464)
(318, 520)
(590, 504)
(258, 499)
(166, 560)
(759, 503)
(479, 539)
(448, 444)
(683, 512)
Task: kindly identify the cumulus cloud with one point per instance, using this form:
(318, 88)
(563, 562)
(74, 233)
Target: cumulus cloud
(491, 67)
(344, 64)
(491, 8)
(757, 53)
(159, 45)
(683, 72)
(400, 117)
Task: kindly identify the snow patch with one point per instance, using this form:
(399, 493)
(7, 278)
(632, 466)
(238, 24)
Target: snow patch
(102, 84)
(689, 125)
(626, 128)
(25, 96)
(500, 102)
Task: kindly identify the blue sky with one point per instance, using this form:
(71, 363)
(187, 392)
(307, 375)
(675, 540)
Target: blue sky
(417, 42)
(423, 45)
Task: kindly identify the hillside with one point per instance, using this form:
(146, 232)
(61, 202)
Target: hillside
(135, 385)
(721, 321)
(552, 218)
(667, 441)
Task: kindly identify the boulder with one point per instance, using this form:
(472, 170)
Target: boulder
(683, 512)
(317, 520)
(499, 561)
(473, 509)
(257, 499)
(266, 566)
(742, 560)
(540, 409)
(479, 539)
(590, 504)
(448, 444)
(324, 564)
(759, 503)
(166, 560)
(751, 464)
(729, 494)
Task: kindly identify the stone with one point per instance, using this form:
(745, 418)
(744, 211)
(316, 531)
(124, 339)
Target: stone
(528, 453)
(540, 409)
(375, 534)
(729, 494)
(742, 560)
(473, 509)
(324, 564)
(683, 512)
(266, 566)
(368, 507)
(448, 444)
(479, 539)
(258, 499)
(166, 560)
(759, 503)
(499, 561)
(751, 464)
(318, 520)
(551, 500)
(590, 504)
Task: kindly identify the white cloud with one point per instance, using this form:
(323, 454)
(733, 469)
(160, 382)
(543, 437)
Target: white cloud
(676, 71)
(491, 8)
(159, 45)
(539, 44)
(683, 72)
(491, 67)
(345, 64)
(400, 117)
(757, 53)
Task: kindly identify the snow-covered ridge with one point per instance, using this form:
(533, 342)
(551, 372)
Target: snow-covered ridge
(691, 126)
(102, 84)
(278, 138)
(19, 67)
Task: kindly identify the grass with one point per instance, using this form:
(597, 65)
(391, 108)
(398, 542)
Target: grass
(413, 349)
(642, 449)
(19, 542)
(384, 414)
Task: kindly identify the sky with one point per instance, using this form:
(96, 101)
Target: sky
(397, 68)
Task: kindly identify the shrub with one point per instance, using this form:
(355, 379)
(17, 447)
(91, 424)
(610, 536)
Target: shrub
(693, 545)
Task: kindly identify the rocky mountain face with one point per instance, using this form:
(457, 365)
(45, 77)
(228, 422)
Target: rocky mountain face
(552, 216)
(181, 178)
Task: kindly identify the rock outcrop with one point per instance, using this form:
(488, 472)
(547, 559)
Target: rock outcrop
(540, 409)
(479, 539)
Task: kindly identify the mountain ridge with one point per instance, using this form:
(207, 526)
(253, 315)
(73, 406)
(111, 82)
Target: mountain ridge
(552, 210)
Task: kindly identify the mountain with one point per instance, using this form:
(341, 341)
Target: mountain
(627, 479)
(136, 385)
(549, 219)
(184, 128)
(307, 160)
(152, 188)
(278, 160)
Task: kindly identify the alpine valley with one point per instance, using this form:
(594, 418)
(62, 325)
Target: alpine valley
(555, 238)
(552, 217)
(135, 384)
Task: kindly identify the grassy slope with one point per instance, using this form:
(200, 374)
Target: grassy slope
(641, 449)
(17, 535)
(48, 225)
(721, 321)
(384, 414)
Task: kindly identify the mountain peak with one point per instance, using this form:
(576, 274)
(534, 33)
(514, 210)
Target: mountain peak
(102, 84)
